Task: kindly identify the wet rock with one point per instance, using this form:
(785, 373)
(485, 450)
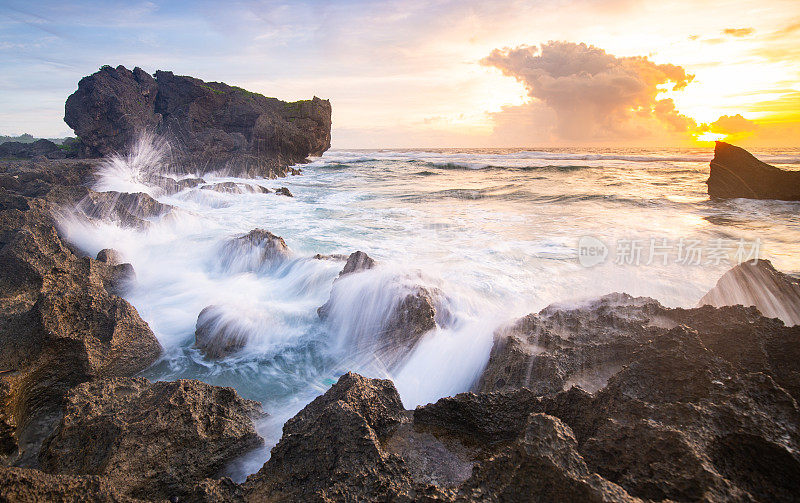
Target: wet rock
(153, 440)
(331, 256)
(171, 185)
(237, 188)
(759, 284)
(217, 335)
(399, 311)
(570, 345)
(737, 173)
(109, 256)
(357, 261)
(210, 125)
(257, 249)
(283, 191)
(132, 210)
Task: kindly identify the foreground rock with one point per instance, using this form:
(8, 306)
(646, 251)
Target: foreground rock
(61, 320)
(759, 284)
(210, 125)
(152, 440)
(737, 173)
(21, 484)
(355, 443)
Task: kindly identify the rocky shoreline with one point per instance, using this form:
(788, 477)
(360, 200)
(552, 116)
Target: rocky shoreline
(616, 399)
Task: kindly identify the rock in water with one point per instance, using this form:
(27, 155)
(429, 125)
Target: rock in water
(758, 284)
(210, 125)
(737, 173)
(255, 250)
(356, 262)
(152, 440)
(218, 336)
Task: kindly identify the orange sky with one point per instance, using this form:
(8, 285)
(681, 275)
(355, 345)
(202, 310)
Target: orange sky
(444, 73)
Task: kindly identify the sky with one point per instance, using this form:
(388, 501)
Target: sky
(444, 73)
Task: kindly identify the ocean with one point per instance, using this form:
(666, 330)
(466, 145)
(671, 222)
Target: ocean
(499, 232)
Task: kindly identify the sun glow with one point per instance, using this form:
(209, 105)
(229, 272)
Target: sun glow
(708, 136)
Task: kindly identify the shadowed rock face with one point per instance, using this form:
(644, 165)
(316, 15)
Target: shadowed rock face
(218, 336)
(774, 294)
(210, 125)
(737, 173)
(43, 148)
(152, 440)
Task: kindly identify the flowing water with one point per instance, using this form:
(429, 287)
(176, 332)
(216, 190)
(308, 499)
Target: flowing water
(495, 231)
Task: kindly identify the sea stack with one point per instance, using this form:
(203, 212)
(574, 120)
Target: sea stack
(210, 126)
(735, 172)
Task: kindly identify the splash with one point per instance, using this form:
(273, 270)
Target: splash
(134, 170)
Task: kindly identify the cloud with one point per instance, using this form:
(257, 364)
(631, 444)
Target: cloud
(733, 125)
(738, 32)
(582, 93)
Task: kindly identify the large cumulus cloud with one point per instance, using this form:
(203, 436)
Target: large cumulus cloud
(582, 93)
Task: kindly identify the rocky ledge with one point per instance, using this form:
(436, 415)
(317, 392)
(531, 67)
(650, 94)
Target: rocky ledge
(735, 172)
(208, 125)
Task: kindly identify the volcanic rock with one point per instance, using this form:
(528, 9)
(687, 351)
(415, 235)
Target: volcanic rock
(153, 440)
(737, 173)
(210, 125)
(759, 284)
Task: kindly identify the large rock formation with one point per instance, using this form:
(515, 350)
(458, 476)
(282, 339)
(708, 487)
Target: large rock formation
(61, 320)
(39, 148)
(759, 284)
(209, 125)
(152, 440)
(737, 173)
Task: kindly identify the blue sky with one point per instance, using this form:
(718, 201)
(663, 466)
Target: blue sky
(399, 73)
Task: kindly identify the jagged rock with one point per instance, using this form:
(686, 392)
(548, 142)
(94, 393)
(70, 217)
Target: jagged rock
(153, 440)
(39, 148)
(21, 484)
(111, 108)
(542, 465)
(283, 191)
(737, 173)
(331, 451)
(210, 125)
(217, 335)
(61, 322)
(759, 284)
(357, 261)
(237, 188)
(257, 249)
